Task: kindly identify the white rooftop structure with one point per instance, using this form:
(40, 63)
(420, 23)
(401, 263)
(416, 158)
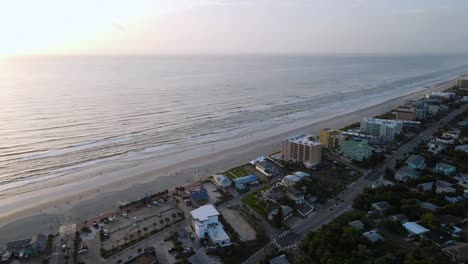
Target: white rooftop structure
(301, 174)
(382, 121)
(415, 228)
(203, 213)
(205, 222)
(303, 139)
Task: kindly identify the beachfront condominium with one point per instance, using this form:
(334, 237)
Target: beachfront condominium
(406, 112)
(383, 128)
(330, 138)
(462, 82)
(302, 148)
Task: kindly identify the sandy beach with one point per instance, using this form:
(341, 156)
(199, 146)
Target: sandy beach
(43, 206)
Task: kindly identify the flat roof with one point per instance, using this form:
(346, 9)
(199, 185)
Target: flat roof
(303, 139)
(204, 212)
(415, 228)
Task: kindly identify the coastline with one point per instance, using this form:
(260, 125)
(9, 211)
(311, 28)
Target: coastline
(84, 198)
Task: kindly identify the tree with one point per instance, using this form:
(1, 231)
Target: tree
(145, 229)
(139, 233)
(139, 250)
(161, 222)
(173, 217)
(427, 219)
(154, 226)
(167, 220)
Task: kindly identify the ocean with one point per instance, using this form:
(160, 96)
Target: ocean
(61, 114)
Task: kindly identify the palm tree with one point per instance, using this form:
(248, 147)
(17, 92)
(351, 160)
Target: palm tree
(139, 233)
(118, 243)
(139, 250)
(125, 241)
(145, 229)
(161, 222)
(154, 226)
(167, 220)
(173, 217)
(131, 237)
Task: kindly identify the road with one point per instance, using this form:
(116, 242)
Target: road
(331, 209)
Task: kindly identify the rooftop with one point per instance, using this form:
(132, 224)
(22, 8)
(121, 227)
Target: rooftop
(280, 260)
(415, 159)
(303, 139)
(415, 228)
(444, 166)
(204, 212)
(381, 121)
(217, 233)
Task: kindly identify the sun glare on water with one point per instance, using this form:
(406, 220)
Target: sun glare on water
(54, 26)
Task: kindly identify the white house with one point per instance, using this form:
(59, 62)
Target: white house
(414, 228)
(205, 222)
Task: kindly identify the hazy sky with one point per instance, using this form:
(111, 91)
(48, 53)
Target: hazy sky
(233, 26)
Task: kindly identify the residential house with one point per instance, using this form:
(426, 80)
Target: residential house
(416, 162)
(462, 148)
(380, 207)
(399, 218)
(294, 194)
(358, 224)
(445, 168)
(199, 196)
(205, 223)
(221, 181)
(436, 147)
(415, 229)
(266, 168)
(457, 252)
(405, 173)
(454, 199)
(440, 238)
(429, 206)
(280, 260)
(356, 150)
(286, 212)
(373, 236)
(248, 180)
(290, 180)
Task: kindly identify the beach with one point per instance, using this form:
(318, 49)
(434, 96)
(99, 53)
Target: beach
(43, 206)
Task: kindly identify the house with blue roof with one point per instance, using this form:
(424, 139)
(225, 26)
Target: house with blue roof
(445, 168)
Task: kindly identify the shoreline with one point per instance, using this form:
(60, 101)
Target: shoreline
(92, 196)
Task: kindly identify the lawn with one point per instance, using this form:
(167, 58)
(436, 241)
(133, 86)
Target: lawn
(237, 172)
(255, 204)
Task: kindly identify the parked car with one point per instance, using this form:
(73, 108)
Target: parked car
(172, 249)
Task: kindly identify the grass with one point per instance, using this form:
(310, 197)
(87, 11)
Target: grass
(237, 172)
(255, 204)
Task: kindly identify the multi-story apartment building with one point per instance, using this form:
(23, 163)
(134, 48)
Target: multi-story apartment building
(302, 148)
(383, 128)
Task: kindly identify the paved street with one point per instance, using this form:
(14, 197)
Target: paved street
(330, 210)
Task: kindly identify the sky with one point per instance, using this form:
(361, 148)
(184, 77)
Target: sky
(233, 26)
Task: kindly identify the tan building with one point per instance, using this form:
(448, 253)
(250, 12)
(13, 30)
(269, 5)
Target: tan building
(331, 138)
(302, 148)
(462, 82)
(405, 113)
